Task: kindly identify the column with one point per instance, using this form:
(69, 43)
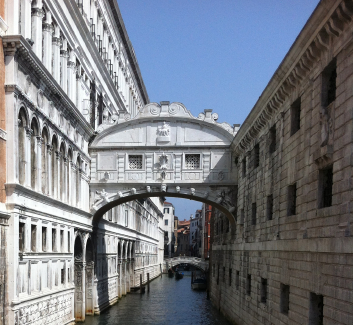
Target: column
(26, 19)
(38, 186)
(79, 90)
(37, 17)
(56, 54)
(47, 42)
(49, 173)
(28, 157)
(71, 77)
(63, 69)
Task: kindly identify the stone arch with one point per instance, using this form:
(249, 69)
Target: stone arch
(79, 304)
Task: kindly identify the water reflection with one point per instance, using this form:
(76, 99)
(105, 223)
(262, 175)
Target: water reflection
(169, 301)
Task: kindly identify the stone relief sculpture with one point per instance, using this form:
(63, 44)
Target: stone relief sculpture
(102, 195)
(40, 98)
(225, 200)
(163, 133)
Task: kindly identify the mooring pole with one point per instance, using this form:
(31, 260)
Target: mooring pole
(148, 282)
(141, 283)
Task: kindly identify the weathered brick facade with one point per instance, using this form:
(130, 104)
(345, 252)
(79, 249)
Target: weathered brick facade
(291, 258)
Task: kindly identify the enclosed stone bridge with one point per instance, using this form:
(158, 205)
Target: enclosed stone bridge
(195, 261)
(163, 151)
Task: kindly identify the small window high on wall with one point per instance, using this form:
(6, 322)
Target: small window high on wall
(192, 161)
(325, 187)
(329, 76)
(135, 161)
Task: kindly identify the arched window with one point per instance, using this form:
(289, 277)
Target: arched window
(34, 153)
(62, 171)
(54, 168)
(44, 154)
(22, 125)
(78, 181)
(69, 177)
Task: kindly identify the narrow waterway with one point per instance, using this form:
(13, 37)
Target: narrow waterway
(169, 301)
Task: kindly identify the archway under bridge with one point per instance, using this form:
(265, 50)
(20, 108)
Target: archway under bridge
(163, 151)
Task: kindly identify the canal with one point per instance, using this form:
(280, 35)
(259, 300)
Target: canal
(169, 301)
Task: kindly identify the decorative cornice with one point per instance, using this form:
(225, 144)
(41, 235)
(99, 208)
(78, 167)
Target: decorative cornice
(295, 67)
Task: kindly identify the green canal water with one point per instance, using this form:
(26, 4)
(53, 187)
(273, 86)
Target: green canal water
(169, 301)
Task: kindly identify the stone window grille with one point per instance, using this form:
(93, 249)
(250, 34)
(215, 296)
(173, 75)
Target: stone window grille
(263, 290)
(273, 137)
(292, 200)
(253, 213)
(256, 156)
(316, 309)
(329, 77)
(21, 237)
(44, 239)
(325, 187)
(237, 280)
(192, 161)
(248, 284)
(269, 207)
(33, 237)
(295, 111)
(284, 302)
(135, 161)
(230, 277)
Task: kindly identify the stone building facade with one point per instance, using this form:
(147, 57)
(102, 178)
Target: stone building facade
(70, 67)
(290, 258)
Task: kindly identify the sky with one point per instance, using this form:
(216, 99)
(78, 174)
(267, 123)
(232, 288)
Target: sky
(211, 54)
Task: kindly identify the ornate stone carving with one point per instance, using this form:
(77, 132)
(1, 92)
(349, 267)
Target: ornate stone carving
(28, 84)
(40, 96)
(225, 200)
(163, 133)
(102, 195)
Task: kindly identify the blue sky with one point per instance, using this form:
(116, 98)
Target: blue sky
(217, 54)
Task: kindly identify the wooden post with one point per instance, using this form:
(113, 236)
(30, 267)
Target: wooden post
(141, 283)
(148, 282)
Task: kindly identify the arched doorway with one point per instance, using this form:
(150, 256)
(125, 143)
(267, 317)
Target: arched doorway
(79, 280)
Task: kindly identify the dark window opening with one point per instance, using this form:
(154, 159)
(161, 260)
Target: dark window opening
(329, 77)
(316, 311)
(44, 239)
(21, 237)
(218, 275)
(224, 274)
(62, 240)
(237, 280)
(53, 239)
(230, 277)
(62, 276)
(325, 187)
(68, 242)
(269, 207)
(242, 216)
(93, 104)
(248, 284)
(273, 137)
(284, 303)
(253, 214)
(243, 163)
(292, 199)
(295, 116)
(256, 155)
(263, 290)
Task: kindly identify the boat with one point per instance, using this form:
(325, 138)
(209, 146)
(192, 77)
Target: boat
(179, 275)
(170, 272)
(199, 284)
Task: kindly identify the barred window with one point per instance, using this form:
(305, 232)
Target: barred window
(192, 161)
(135, 161)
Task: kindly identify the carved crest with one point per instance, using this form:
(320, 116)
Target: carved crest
(163, 133)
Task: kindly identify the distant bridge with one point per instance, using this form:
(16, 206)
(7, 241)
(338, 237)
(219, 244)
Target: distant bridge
(195, 261)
